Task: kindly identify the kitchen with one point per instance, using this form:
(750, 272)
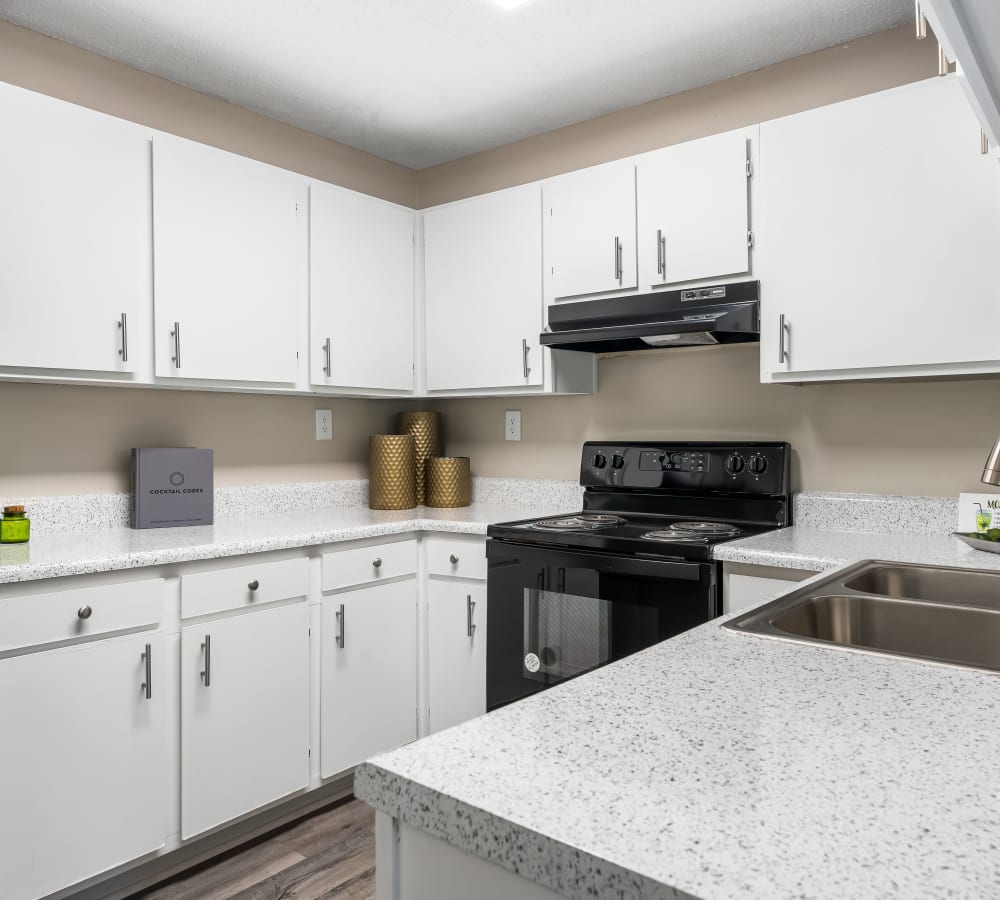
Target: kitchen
(885, 398)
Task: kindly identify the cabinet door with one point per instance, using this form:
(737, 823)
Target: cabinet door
(226, 248)
(74, 232)
(82, 762)
(876, 216)
(360, 291)
(457, 658)
(482, 269)
(590, 231)
(693, 210)
(369, 673)
(244, 714)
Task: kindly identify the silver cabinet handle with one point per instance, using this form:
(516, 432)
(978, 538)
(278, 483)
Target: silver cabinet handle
(85, 612)
(943, 65)
(661, 253)
(176, 335)
(123, 328)
(147, 685)
(206, 673)
(326, 350)
(342, 630)
(470, 608)
(618, 259)
(921, 22)
(782, 333)
(253, 585)
(984, 142)
(377, 562)
(525, 350)
(453, 559)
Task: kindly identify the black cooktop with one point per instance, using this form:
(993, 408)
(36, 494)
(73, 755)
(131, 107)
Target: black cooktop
(655, 536)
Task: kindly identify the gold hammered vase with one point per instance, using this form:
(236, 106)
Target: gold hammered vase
(449, 481)
(426, 430)
(392, 476)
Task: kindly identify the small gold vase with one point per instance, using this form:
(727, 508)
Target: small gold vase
(449, 481)
(392, 477)
(426, 430)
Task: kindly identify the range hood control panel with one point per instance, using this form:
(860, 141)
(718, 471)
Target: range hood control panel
(758, 468)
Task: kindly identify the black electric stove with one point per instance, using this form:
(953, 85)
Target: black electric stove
(573, 591)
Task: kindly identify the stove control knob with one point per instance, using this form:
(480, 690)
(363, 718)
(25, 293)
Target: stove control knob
(617, 461)
(735, 464)
(599, 461)
(757, 464)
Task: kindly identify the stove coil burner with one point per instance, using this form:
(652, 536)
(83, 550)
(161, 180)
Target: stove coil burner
(600, 519)
(582, 522)
(675, 537)
(714, 529)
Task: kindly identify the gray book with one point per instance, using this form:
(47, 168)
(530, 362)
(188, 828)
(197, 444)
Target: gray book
(172, 487)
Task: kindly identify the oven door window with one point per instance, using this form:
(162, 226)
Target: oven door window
(564, 635)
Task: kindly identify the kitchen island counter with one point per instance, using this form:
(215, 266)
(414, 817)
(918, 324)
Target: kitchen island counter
(719, 765)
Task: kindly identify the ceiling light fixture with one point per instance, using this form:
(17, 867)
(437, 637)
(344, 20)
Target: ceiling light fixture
(509, 5)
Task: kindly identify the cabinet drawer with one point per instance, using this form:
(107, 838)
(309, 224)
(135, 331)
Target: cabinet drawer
(344, 568)
(461, 559)
(30, 619)
(243, 586)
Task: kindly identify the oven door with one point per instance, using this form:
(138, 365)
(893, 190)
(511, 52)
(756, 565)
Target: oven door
(553, 614)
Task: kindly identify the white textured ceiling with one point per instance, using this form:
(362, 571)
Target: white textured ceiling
(421, 82)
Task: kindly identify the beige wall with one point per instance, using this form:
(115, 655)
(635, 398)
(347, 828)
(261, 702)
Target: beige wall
(921, 437)
(70, 439)
(42, 64)
(918, 437)
(870, 64)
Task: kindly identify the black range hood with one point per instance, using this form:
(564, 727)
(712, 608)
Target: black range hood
(719, 314)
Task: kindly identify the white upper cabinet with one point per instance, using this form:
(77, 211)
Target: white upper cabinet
(590, 233)
(969, 31)
(361, 291)
(227, 265)
(879, 222)
(693, 210)
(482, 269)
(75, 271)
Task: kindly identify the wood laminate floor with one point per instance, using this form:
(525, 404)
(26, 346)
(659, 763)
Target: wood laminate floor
(329, 854)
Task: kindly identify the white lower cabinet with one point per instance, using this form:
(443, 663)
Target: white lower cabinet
(457, 655)
(81, 762)
(244, 714)
(368, 673)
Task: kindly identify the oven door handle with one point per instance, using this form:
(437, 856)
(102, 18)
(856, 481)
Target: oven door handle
(501, 553)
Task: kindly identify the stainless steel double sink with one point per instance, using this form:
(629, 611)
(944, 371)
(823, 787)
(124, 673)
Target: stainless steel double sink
(929, 613)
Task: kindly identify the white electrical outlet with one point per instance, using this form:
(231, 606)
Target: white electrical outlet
(512, 425)
(324, 424)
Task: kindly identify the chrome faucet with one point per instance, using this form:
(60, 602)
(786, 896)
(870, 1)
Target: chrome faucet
(991, 472)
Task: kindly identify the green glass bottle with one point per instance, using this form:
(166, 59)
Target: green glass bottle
(15, 527)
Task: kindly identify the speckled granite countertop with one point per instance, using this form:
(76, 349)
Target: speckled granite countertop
(104, 550)
(816, 549)
(718, 765)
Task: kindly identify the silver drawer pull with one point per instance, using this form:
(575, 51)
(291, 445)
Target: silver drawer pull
(147, 685)
(661, 253)
(453, 559)
(206, 673)
(253, 585)
(123, 327)
(84, 612)
(342, 630)
(783, 333)
(470, 608)
(377, 562)
(176, 335)
(326, 351)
